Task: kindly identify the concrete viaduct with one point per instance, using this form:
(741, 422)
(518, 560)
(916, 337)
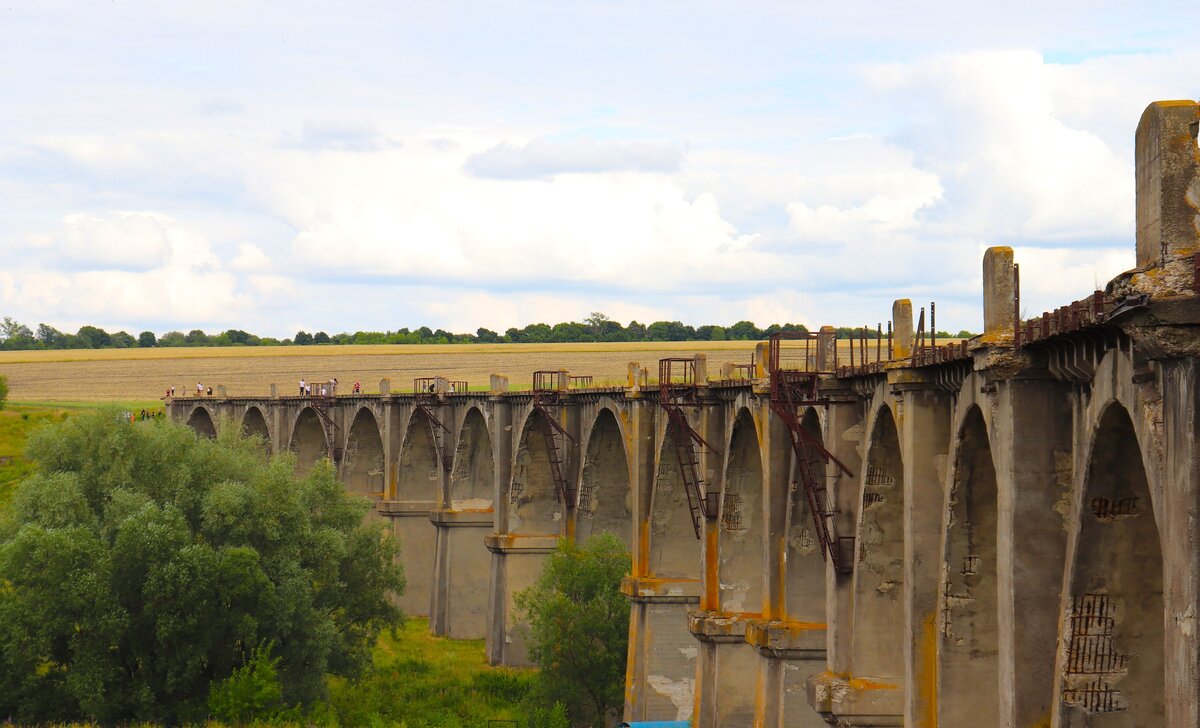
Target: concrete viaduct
(997, 533)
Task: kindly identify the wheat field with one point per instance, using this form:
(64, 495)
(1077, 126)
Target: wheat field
(90, 375)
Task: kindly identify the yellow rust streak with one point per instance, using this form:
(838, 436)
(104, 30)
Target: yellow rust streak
(927, 680)
(712, 586)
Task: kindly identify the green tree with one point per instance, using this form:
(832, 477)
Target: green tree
(123, 340)
(3, 391)
(196, 337)
(579, 626)
(142, 565)
(146, 339)
(172, 338)
(90, 337)
(302, 338)
(320, 338)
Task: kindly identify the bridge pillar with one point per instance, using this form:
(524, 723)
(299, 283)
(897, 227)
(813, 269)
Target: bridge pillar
(923, 420)
(665, 581)
(520, 547)
(1032, 449)
(790, 637)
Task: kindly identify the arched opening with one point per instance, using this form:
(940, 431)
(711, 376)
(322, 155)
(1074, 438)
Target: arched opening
(418, 476)
(534, 506)
(968, 658)
(473, 480)
(254, 424)
(308, 441)
(674, 548)
(363, 461)
(604, 492)
(202, 422)
(741, 530)
(877, 640)
(805, 564)
(1113, 630)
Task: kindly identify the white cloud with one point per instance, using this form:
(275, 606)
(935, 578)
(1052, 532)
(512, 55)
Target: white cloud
(250, 259)
(540, 158)
(132, 241)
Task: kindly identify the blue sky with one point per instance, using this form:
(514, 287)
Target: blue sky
(372, 166)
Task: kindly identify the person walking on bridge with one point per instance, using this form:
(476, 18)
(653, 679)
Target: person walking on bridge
(301, 387)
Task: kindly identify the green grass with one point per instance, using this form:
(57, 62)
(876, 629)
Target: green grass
(17, 421)
(421, 680)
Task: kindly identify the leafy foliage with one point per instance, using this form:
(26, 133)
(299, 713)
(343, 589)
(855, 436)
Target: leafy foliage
(251, 693)
(3, 391)
(141, 565)
(579, 623)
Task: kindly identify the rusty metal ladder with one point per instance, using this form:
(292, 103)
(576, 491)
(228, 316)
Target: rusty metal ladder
(553, 432)
(790, 389)
(677, 388)
(436, 429)
(320, 405)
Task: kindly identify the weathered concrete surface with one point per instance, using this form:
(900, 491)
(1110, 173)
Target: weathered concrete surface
(1024, 519)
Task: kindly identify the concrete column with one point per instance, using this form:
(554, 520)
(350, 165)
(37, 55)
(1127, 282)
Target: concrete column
(660, 677)
(1168, 181)
(924, 430)
(502, 452)
(999, 314)
(1031, 448)
(827, 360)
(902, 329)
(1180, 385)
(385, 386)
(846, 439)
(708, 667)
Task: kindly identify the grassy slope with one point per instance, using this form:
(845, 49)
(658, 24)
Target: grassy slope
(420, 679)
(16, 422)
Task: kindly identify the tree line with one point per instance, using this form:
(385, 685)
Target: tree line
(596, 327)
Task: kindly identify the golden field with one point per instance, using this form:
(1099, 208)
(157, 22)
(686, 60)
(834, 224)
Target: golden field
(144, 374)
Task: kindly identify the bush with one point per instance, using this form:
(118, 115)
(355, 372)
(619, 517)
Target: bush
(3, 391)
(251, 693)
(579, 627)
(142, 565)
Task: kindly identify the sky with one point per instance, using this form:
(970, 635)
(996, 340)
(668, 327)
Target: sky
(370, 166)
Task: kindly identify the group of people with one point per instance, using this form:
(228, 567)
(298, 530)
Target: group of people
(144, 415)
(326, 389)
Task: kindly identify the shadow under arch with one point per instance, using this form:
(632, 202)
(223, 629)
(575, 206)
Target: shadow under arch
(674, 549)
(877, 640)
(968, 656)
(308, 441)
(534, 506)
(473, 478)
(804, 589)
(363, 460)
(1112, 662)
(605, 496)
(740, 547)
(254, 424)
(202, 422)
(418, 472)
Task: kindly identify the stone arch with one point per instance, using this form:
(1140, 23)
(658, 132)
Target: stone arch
(968, 654)
(674, 551)
(877, 640)
(804, 589)
(363, 459)
(308, 440)
(534, 506)
(201, 420)
(473, 479)
(605, 495)
(254, 424)
(1112, 661)
(418, 472)
(740, 549)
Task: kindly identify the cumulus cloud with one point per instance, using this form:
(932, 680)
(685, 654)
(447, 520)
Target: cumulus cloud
(540, 159)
